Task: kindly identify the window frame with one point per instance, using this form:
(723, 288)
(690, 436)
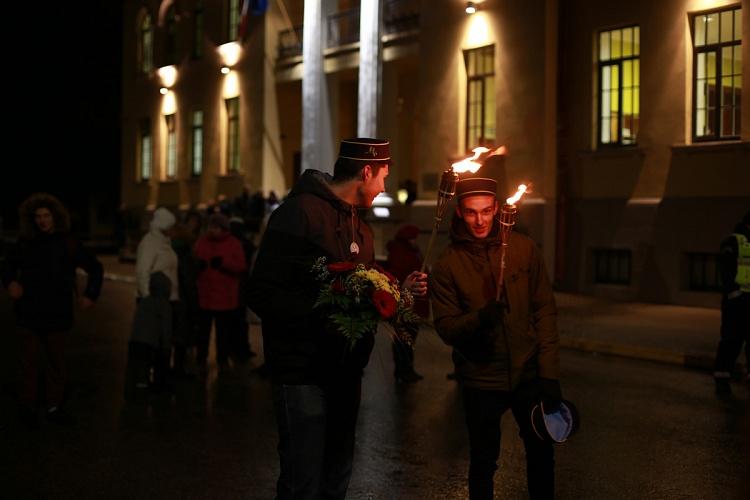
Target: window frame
(487, 92)
(705, 262)
(146, 44)
(233, 135)
(171, 167)
(171, 46)
(198, 30)
(611, 277)
(145, 154)
(234, 8)
(196, 150)
(715, 48)
(634, 58)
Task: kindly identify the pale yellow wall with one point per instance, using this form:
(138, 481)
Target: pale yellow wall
(199, 85)
(517, 31)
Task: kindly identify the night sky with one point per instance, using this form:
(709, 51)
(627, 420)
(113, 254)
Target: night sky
(62, 78)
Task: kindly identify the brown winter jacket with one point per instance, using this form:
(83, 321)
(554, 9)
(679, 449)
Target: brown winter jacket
(464, 279)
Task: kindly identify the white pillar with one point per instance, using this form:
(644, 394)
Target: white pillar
(550, 135)
(317, 142)
(370, 67)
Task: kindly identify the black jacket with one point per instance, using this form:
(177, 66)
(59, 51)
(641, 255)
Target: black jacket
(45, 267)
(311, 223)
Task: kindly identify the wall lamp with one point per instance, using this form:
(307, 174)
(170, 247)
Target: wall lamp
(230, 54)
(470, 8)
(167, 76)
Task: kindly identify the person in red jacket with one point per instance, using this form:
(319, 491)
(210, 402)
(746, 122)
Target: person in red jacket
(221, 262)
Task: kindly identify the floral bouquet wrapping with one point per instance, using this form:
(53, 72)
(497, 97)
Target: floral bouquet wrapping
(357, 297)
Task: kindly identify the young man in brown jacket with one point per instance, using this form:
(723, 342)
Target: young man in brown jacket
(506, 352)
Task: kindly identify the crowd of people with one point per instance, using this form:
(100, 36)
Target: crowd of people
(215, 270)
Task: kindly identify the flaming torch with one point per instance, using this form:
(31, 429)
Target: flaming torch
(507, 221)
(447, 189)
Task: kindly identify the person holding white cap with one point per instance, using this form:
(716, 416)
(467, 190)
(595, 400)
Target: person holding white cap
(505, 352)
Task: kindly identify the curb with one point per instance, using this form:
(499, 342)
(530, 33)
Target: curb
(695, 361)
(123, 278)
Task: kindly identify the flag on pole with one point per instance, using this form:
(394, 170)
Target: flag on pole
(258, 7)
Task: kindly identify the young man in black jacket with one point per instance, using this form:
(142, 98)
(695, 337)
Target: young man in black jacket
(41, 281)
(316, 376)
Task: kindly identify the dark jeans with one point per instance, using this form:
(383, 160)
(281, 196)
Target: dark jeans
(240, 342)
(32, 345)
(316, 439)
(484, 410)
(735, 329)
(141, 359)
(225, 324)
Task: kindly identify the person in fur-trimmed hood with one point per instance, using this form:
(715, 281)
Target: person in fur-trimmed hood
(506, 352)
(41, 281)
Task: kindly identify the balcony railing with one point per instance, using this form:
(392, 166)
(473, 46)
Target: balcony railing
(290, 42)
(400, 16)
(342, 28)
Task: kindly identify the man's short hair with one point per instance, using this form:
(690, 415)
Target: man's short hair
(355, 153)
(346, 169)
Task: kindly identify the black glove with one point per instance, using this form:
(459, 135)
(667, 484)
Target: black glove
(216, 261)
(492, 313)
(202, 264)
(551, 394)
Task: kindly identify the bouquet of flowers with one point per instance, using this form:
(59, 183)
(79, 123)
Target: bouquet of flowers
(357, 297)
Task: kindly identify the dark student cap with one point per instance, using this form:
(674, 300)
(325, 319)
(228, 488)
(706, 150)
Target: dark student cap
(476, 186)
(365, 149)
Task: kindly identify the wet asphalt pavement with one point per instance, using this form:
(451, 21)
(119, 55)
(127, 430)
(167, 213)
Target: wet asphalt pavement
(648, 430)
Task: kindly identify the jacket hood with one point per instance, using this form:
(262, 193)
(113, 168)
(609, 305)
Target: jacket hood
(163, 219)
(159, 285)
(318, 183)
(460, 235)
(27, 210)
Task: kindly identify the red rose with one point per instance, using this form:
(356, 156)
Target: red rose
(341, 267)
(384, 303)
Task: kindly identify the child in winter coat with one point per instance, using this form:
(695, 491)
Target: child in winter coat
(151, 337)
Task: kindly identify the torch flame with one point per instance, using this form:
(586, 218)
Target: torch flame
(514, 199)
(468, 164)
(471, 165)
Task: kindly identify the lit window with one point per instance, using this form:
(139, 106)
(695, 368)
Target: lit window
(619, 86)
(146, 56)
(171, 147)
(233, 20)
(480, 96)
(717, 74)
(197, 145)
(233, 134)
(144, 147)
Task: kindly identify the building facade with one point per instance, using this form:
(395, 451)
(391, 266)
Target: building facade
(625, 117)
